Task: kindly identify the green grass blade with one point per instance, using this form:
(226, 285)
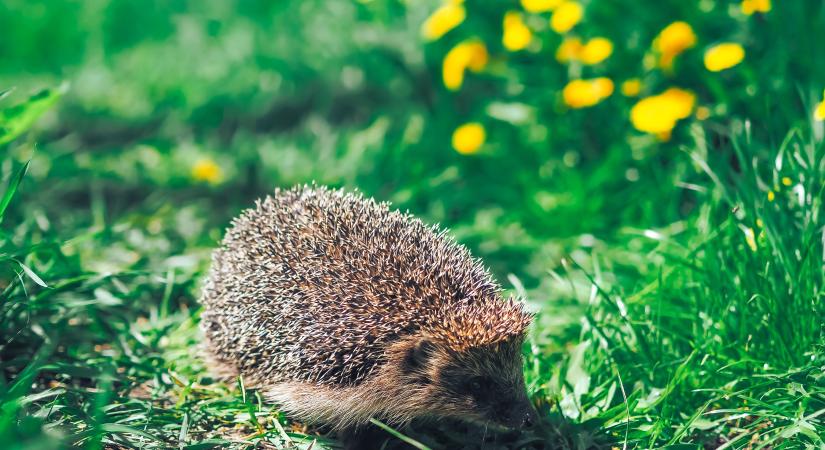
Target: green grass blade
(14, 183)
(33, 276)
(399, 435)
(16, 120)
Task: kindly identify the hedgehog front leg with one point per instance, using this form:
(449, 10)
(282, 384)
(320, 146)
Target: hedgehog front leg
(367, 437)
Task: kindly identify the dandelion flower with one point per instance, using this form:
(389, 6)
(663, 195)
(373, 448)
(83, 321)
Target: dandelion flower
(466, 55)
(443, 20)
(206, 170)
(672, 41)
(468, 138)
(723, 56)
(787, 181)
(516, 34)
(750, 238)
(584, 93)
(596, 50)
(752, 6)
(771, 196)
(644, 116)
(539, 6)
(819, 112)
(566, 16)
(604, 86)
(631, 87)
(569, 50)
(681, 101)
(478, 57)
(658, 114)
(675, 38)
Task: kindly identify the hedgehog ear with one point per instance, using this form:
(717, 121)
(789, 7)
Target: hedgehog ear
(418, 356)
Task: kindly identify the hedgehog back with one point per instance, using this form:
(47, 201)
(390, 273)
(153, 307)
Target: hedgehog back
(313, 284)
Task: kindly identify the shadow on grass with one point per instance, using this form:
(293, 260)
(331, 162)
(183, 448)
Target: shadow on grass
(554, 433)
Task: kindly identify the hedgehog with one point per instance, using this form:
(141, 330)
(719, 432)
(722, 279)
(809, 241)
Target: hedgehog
(340, 310)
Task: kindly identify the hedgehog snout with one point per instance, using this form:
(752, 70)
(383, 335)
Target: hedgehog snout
(518, 416)
(507, 408)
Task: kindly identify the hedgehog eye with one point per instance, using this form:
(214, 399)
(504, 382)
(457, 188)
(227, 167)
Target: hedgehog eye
(477, 385)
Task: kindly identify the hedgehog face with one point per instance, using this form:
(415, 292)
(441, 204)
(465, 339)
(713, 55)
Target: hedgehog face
(481, 384)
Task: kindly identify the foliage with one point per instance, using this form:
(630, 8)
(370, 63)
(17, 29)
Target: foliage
(649, 176)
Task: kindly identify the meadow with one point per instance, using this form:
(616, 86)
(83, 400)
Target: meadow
(647, 176)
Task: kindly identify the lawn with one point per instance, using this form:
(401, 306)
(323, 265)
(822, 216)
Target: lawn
(648, 176)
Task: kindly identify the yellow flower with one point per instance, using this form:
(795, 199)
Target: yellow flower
(672, 41)
(681, 102)
(468, 138)
(538, 6)
(478, 57)
(723, 56)
(516, 34)
(592, 52)
(584, 93)
(596, 50)
(569, 50)
(819, 112)
(444, 19)
(206, 170)
(566, 16)
(631, 87)
(787, 181)
(604, 86)
(675, 38)
(466, 55)
(750, 238)
(771, 196)
(751, 6)
(658, 114)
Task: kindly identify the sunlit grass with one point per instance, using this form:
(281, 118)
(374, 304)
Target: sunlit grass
(675, 260)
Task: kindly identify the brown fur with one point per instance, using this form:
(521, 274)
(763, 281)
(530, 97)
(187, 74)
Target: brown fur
(340, 309)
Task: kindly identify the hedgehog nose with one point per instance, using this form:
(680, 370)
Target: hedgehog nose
(528, 420)
(522, 416)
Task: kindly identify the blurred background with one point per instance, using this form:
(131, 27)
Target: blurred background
(634, 170)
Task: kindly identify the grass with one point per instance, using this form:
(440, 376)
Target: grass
(679, 285)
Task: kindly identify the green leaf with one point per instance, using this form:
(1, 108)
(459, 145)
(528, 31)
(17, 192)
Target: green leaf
(30, 273)
(398, 435)
(13, 184)
(116, 428)
(209, 444)
(16, 120)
